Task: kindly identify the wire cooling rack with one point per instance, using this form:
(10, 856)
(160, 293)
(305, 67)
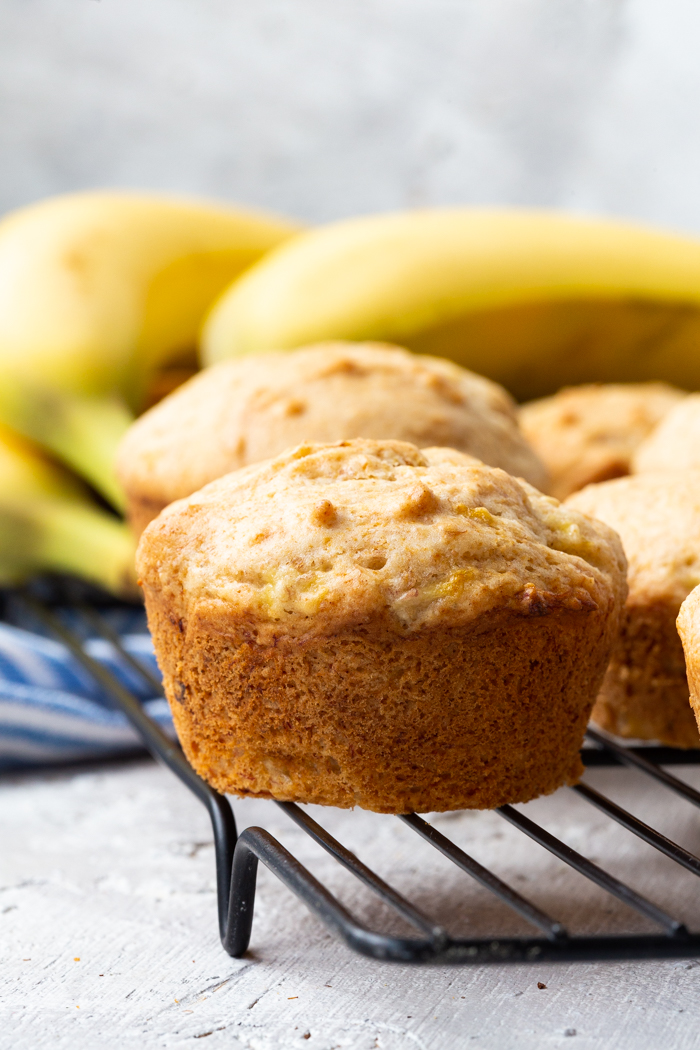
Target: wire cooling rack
(238, 856)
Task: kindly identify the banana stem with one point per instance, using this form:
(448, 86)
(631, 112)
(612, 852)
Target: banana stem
(66, 536)
(82, 431)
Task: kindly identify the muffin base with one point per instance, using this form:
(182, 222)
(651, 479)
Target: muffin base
(470, 717)
(645, 690)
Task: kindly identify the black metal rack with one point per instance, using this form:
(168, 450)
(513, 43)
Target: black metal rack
(237, 856)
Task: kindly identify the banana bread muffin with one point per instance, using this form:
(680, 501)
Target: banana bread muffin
(364, 623)
(688, 624)
(589, 433)
(645, 691)
(244, 411)
(675, 443)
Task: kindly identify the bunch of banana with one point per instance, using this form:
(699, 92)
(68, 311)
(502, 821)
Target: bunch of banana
(49, 522)
(99, 291)
(532, 299)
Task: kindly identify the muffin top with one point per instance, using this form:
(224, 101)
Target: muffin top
(675, 443)
(657, 517)
(246, 410)
(328, 536)
(589, 433)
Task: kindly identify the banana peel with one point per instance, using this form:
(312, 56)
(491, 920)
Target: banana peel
(49, 523)
(80, 430)
(533, 299)
(98, 291)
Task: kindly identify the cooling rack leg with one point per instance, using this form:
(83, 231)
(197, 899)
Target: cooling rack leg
(225, 837)
(241, 906)
(256, 844)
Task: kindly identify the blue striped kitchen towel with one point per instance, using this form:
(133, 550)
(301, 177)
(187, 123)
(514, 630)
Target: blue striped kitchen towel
(50, 708)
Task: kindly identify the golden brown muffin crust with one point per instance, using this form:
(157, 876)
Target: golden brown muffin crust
(247, 410)
(645, 692)
(589, 433)
(430, 720)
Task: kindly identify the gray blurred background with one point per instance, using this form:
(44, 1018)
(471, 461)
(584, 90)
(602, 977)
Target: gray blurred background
(324, 108)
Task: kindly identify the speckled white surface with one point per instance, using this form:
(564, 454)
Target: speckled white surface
(108, 929)
(326, 109)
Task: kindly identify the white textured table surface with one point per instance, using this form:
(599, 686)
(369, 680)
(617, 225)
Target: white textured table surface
(108, 928)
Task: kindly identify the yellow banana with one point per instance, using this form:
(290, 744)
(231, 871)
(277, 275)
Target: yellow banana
(532, 299)
(48, 523)
(97, 292)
